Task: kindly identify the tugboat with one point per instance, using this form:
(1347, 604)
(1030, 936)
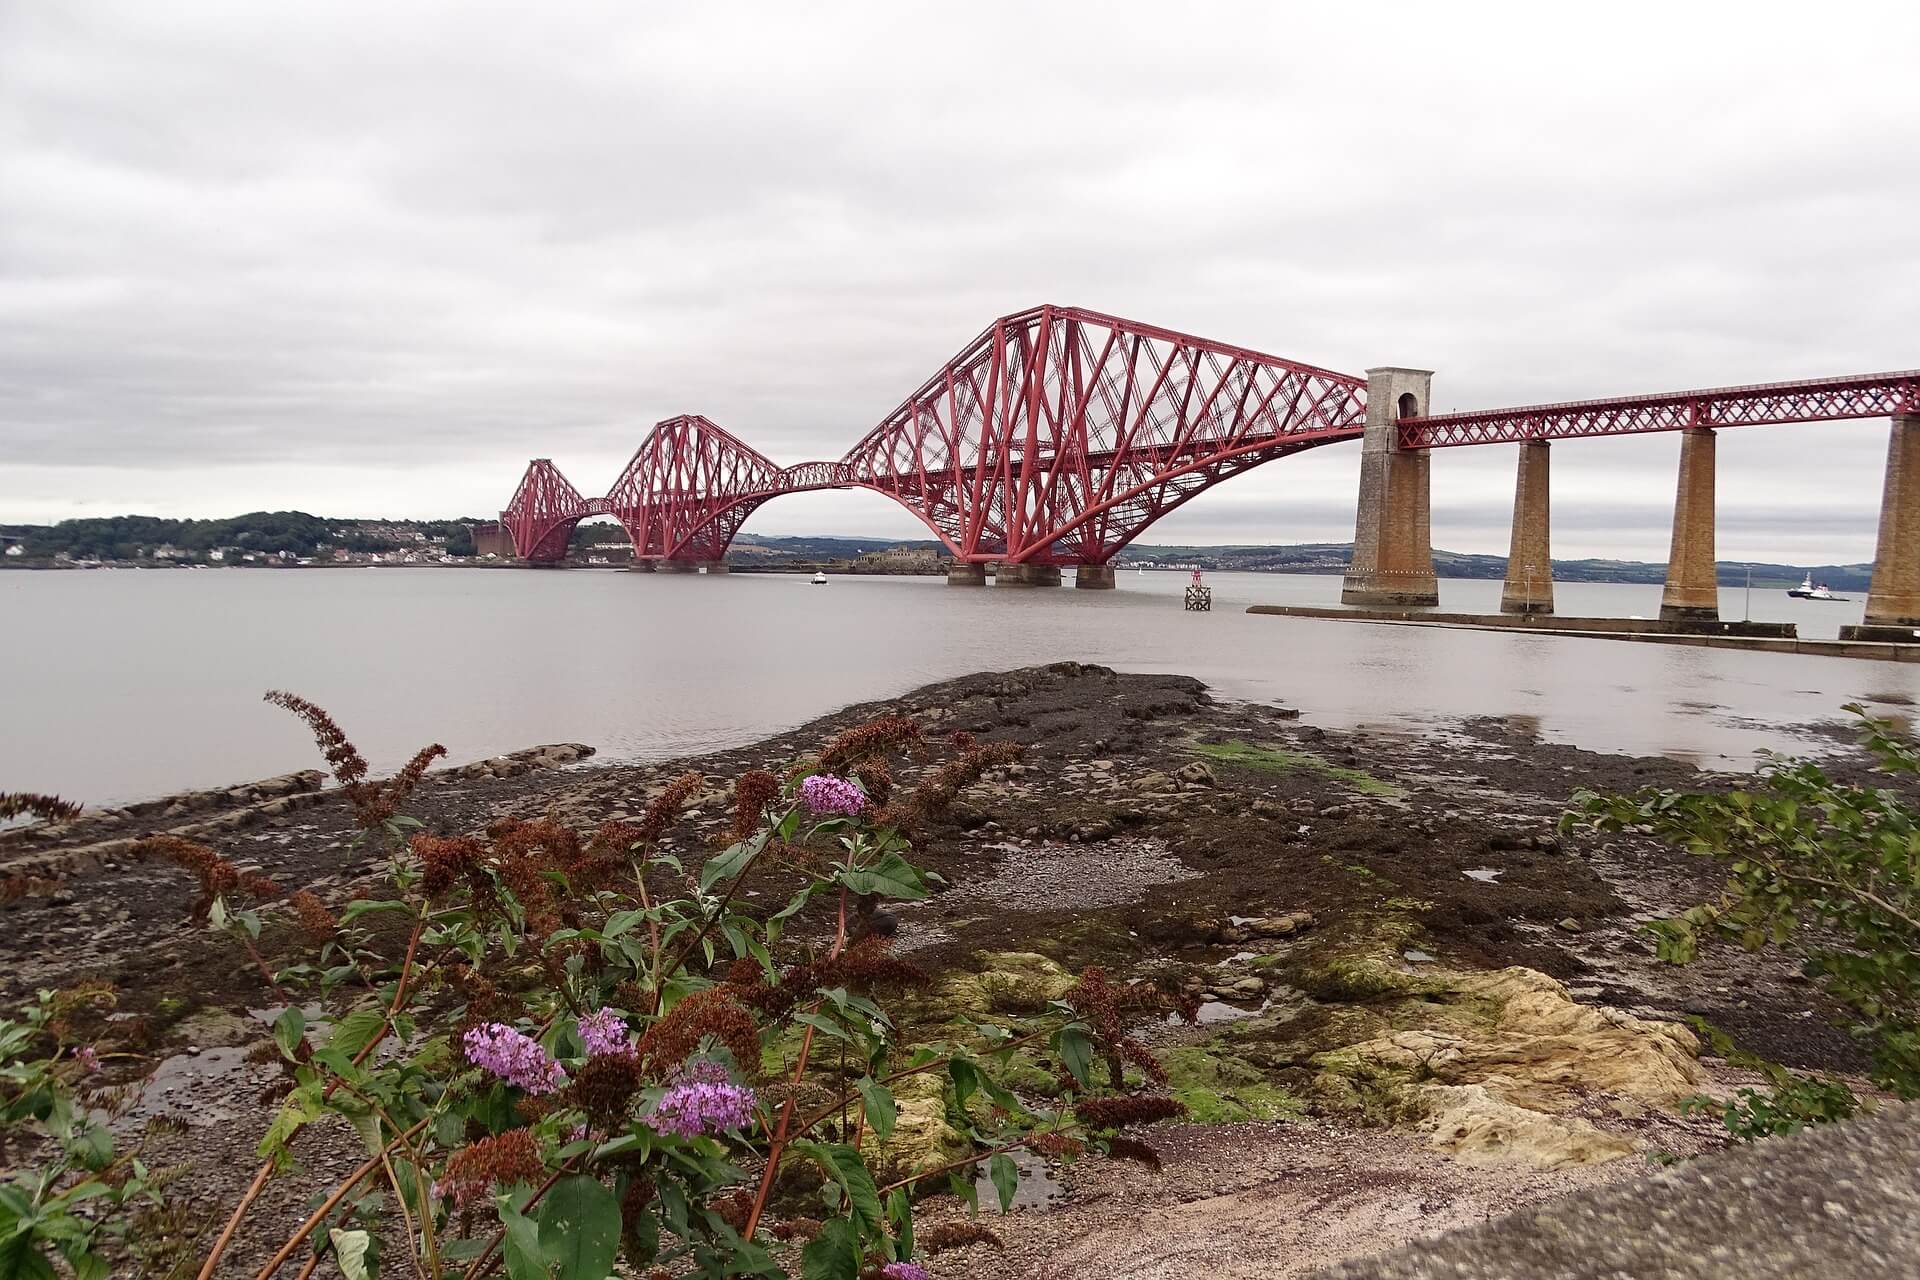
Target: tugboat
(1809, 590)
(819, 578)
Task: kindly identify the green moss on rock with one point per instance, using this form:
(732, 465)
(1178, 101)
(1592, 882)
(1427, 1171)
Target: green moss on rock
(1220, 1088)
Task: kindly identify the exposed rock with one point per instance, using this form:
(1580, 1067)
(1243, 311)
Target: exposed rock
(1541, 1048)
(1473, 1124)
(1198, 773)
(1155, 783)
(1280, 926)
(1005, 982)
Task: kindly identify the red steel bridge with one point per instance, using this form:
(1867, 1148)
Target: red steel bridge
(1059, 434)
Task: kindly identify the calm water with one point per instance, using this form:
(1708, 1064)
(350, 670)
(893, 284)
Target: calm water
(135, 683)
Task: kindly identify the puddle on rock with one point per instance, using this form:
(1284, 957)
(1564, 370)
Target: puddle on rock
(180, 1089)
(1039, 1190)
(1485, 875)
(1418, 956)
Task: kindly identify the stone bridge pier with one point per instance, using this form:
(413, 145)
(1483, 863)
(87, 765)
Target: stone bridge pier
(1529, 585)
(1893, 599)
(1392, 535)
(1693, 584)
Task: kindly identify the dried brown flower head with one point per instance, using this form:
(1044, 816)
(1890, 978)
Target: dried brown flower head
(953, 1235)
(1119, 1112)
(216, 875)
(373, 804)
(864, 741)
(25, 804)
(754, 791)
(499, 1161)
(714, 1012)
(876, 777)
(315, 919)
(665, 809)
(604, 1087)
(802, 1229)
(937, 790)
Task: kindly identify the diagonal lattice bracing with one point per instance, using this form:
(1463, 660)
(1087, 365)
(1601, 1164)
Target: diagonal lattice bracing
(1867, 395)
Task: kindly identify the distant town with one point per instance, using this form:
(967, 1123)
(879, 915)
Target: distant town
(294, 539)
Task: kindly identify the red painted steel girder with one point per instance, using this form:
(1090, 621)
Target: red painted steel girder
(1060, 433)
(1866, 395)
(543, 511)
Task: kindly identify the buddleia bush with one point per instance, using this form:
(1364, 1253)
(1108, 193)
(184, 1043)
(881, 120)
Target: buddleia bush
(563, 1048)
(1825, 870)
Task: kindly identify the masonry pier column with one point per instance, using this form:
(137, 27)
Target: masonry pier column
(1097, 577)
(1392, 535)
(962, 573)
(676, 566)
(1894, 598)
(640, 566)
(1693, 586)
(1027, 575)
(1529, 586)
(716, 566)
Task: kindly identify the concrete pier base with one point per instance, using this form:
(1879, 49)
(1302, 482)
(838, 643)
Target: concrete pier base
(1027, 575)
(1693, 587)
(1392, 537)
(641, 566)
(676, 566)
(1529, 587)
(962, 574)
(1893, 600)
(716, 566)
(1095, 577)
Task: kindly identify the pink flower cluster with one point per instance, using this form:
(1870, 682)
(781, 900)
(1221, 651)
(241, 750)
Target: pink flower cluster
(702, 1098)
(603, 1031)
(828, 796)
(513, 1057)
(905, 1271)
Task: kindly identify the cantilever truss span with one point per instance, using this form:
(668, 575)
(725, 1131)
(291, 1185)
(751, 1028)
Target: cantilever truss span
(1060, 434)
(1057, 434)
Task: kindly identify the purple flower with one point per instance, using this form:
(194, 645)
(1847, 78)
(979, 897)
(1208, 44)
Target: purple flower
(88, 1057)
(828, 796)
(905, 1271)
(603, 1032)
(700, 1100)
(515, 1058)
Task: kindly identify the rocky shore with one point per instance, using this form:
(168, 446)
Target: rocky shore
(1422, 1006)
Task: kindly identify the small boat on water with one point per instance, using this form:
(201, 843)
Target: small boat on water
(819, 578)
(1810, 590)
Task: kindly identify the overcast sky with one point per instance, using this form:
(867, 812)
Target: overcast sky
(367, 259)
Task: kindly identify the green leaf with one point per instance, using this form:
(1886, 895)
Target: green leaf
(289, 1029)
(728, 863)
(357, 1030)
(350, 1249)
(580, 1228)
(1076, 1052)
(891, 877)
(833, 1255)
(20, 1260)
(1005, 1175)
(362, 906)
(881, 1111)
(521, 1248)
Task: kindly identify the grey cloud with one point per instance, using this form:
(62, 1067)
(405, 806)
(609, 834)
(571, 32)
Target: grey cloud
(248, 252)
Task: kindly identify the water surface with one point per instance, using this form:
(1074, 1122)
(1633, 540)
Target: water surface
(136, 683)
